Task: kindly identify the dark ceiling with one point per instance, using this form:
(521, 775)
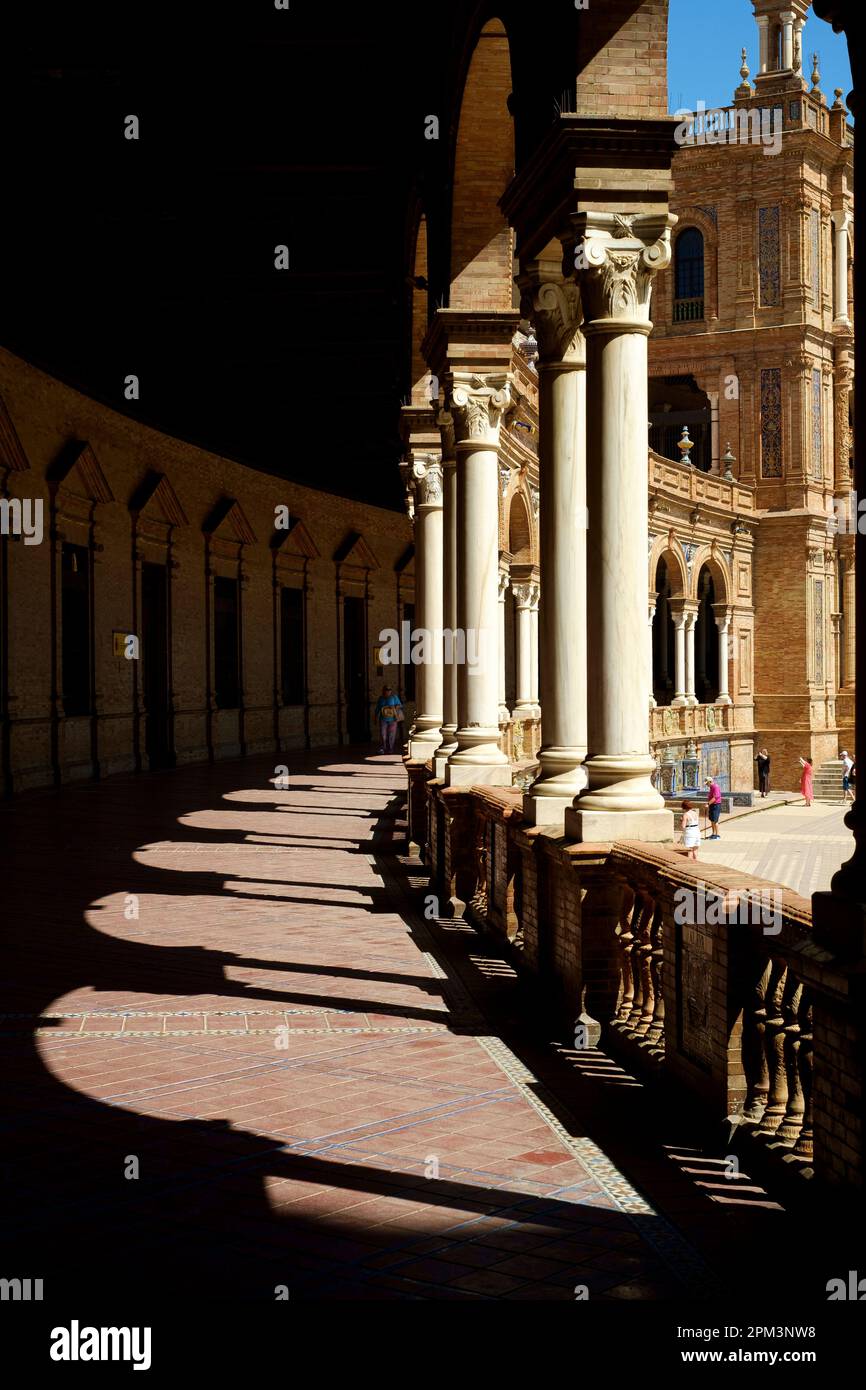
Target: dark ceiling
(156, 257)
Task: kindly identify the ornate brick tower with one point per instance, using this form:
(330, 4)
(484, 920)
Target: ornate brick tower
(760, 287)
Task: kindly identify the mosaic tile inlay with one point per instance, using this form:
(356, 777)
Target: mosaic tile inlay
(771, 422)
(768, 256)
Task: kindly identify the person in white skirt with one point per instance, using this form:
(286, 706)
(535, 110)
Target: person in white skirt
(691, 830)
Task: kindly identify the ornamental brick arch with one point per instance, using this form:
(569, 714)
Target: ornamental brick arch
(482, 243)
(668, 548)
(709, 557)
(418, 302)
(520, 530)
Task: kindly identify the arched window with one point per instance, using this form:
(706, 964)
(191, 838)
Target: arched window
(689, 275)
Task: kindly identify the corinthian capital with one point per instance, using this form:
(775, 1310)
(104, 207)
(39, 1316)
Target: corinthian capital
(427, 476)
(616, 259)
(526, 595)
(445, 422)
(478, 404)
(553, 305)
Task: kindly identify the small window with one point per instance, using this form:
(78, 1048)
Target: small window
(292, 665)
(77, 635)
(689, 276)
(226, 648)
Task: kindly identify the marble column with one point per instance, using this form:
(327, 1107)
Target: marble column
(477, 404)
(763, 42)
(841, 225)
(504, 580)
(787, 18)
(524, 594)
(449, 591)
(533, 659)
(429, 558)
(622, 255)
(715, 455)
(690, 625)
(652, 613)
(679, 618)
(553, 304)
(723, 623)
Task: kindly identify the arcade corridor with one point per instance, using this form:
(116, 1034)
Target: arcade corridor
(239, 1059)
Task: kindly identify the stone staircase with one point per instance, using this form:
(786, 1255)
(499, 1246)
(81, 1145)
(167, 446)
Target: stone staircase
(827, 781)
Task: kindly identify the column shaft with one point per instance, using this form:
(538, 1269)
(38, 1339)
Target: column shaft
(556, 311)
(477, 410)
(620, 800)
(426, 735)
(679, 659)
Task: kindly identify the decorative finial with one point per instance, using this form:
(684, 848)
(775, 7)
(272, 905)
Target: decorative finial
(728, 459)
(838, 104)
(816, 75)
(744, 69)
(685, 445)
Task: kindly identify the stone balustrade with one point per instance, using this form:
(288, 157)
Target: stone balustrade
(697, 972)
(691, 721)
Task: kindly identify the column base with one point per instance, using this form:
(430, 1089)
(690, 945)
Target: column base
(602, 826)
(724, 700)
(423, 745)
(477, 774)
(545, 810)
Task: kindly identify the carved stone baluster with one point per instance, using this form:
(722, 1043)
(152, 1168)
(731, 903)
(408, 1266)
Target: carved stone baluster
(792, 1122)
(642, 913)
(774, 1048)
(656, 1034)
(625, 937)
(803, 1146)
(754, 1053)
(645, 949)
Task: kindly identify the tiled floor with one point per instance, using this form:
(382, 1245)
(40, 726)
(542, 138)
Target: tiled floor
(799, 846)
(237, 1060)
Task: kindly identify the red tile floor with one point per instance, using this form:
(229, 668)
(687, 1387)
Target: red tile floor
(238, 1058)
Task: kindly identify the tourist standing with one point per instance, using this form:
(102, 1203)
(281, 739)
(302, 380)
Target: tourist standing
(847, 765)
(388, 710)
(806, 780)
(691, 830)
(714, 806)
(763, 761)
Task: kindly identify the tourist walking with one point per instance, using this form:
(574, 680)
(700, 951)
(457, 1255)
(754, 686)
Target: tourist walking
(691, 830)
(847, 767)
(714, 806)
(763, 761)
(806, 780)
(388, 712)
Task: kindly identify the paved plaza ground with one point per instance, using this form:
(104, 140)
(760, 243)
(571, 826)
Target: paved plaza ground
(799, 846)
(238, 1058)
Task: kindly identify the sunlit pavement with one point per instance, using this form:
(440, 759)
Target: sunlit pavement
(238, 1059)
(798, 846)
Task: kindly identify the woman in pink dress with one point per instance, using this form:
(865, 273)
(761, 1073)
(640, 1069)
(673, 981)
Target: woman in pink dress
(806, 780)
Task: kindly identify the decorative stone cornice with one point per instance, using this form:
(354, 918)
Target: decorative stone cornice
(478, 405)
(616, 258)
